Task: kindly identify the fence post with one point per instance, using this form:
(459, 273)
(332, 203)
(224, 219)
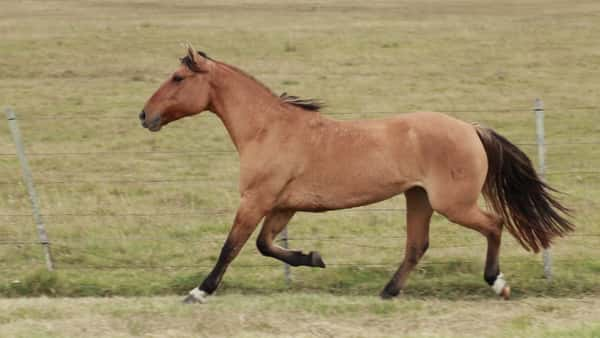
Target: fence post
(539, 123)
(27, 177)
(286, 266)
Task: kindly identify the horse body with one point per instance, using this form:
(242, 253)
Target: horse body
(293, 159)
(378, 158)
(336, 165)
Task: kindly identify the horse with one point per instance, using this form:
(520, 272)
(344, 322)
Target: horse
(294, 159)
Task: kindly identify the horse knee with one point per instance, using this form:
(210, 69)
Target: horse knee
(415, 253)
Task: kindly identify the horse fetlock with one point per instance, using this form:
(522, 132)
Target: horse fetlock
(490, 278)
(316, 260)
(425, 247)
(500, 287)
(389, 292)
(210, 284)
(196, 296)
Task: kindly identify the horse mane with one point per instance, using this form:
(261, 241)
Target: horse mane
(305, 104)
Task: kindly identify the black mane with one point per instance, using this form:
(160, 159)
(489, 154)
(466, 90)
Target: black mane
(306, 104)
(189, 62)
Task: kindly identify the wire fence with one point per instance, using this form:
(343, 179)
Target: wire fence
(341, 240)
(357, 241)
(211, 181)
(460, 110)
(230, 152)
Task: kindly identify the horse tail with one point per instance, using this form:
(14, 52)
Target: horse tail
(514, 190)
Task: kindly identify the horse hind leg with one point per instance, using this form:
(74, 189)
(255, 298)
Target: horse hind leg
(273, 224)
(490, 226)
(418, 216)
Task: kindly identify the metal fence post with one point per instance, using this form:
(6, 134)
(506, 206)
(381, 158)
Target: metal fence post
(27, 177)
(286, 266)
(539, 123)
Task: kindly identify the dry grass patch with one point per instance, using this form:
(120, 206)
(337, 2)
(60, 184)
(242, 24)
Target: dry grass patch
(297, 315)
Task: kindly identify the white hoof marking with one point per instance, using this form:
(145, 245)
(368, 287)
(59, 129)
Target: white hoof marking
(199, 295)
(499, 284)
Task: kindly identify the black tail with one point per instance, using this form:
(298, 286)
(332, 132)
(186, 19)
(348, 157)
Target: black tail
(514, 190)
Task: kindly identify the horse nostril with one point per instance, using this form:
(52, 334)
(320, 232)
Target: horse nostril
(143, 115)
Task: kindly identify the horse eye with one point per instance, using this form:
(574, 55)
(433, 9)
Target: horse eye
(177, 78)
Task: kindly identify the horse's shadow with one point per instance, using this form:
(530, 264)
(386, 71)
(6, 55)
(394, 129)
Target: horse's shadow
(456, 280)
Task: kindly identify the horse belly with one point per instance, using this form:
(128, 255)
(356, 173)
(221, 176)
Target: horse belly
(340, 193)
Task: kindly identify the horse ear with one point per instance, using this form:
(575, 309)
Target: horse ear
(191, 53)
(198, 59)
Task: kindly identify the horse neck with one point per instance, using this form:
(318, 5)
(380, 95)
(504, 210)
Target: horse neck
(245, 106)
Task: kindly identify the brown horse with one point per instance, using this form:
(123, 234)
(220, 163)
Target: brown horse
(294, 159)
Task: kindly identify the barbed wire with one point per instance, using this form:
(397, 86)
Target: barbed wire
(202, 180)
(188, 213)
(277, 265)
(118, 264)
(207, 179)
(344, 240)
(221, 211)
(351, 240)
(567, 172)
(127, 153)
(224, 211)
(134, 117)
(232, 151)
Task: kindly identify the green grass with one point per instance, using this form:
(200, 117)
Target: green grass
(77, 73)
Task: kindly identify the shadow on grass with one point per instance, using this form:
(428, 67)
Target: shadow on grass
(451, 280)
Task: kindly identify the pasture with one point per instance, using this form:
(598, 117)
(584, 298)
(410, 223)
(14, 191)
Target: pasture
(130, 213)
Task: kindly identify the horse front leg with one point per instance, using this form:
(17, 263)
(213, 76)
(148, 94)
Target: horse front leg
(418, 216)
(246, 219)
(274, 223)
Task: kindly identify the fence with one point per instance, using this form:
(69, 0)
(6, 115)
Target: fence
(284, 239)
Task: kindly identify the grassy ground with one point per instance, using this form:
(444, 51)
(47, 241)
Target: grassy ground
(145, 214)
(298, 315)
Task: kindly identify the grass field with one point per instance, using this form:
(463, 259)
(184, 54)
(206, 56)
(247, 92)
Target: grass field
(298, 315)
(131, 213)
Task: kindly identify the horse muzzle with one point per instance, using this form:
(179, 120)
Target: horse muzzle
(153, 125)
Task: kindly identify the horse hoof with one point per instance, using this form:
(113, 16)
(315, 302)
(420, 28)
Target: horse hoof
(385, 294)
(195, 296)
(316, 260)
(505, 293)
(500, 287)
